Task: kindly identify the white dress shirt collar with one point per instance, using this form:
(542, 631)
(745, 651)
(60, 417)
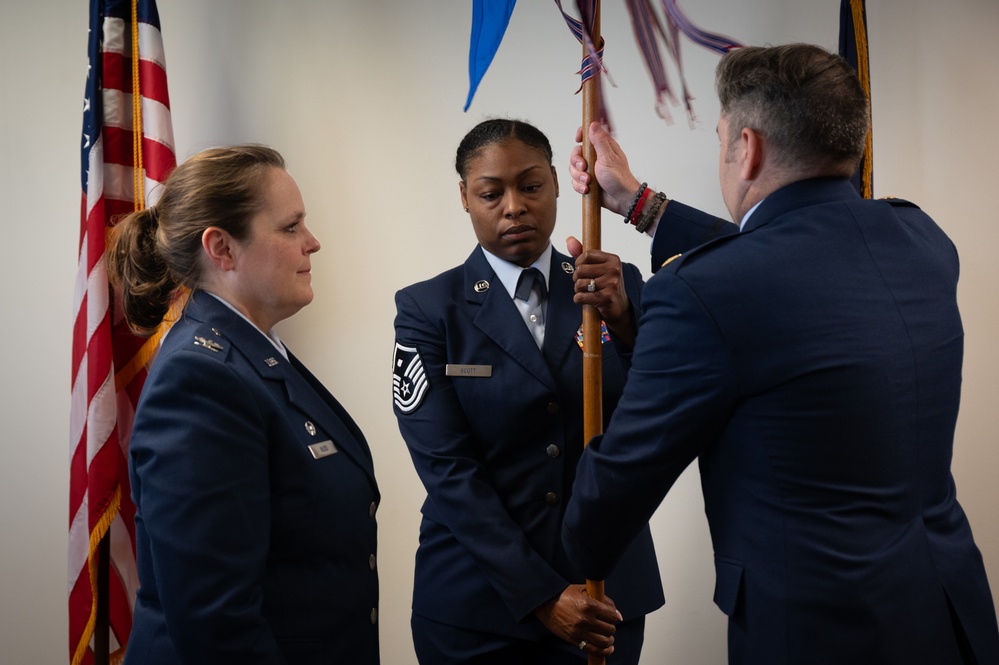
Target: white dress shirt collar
(508, 273)
(271, 336)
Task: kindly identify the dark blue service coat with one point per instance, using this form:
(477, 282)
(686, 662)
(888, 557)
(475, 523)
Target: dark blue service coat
(497, 454)
(252, 547)
(812, 365)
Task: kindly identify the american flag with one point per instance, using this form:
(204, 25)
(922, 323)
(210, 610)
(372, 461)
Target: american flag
(127, 148)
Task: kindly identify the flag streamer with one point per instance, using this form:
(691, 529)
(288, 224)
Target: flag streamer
(655, 40)
(592, 67)
(650, 31)
(582, 30)
(712, 41)
(127, 148)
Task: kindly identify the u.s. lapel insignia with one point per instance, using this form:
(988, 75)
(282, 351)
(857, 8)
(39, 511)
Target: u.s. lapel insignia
(481, 286)
(409, 378)
(310, 428)
(270, 362)
(604, 334)
(322, 449)
(670, 260)
(567, 267)
(208, 344)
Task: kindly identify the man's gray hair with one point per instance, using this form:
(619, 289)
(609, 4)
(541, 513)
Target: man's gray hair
(807, 103)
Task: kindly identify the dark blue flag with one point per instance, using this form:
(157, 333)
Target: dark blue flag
(489, 21)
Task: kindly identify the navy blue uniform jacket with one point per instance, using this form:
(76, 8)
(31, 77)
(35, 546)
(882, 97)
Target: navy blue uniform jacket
(497, 455)
(812, 364)
(250, 549)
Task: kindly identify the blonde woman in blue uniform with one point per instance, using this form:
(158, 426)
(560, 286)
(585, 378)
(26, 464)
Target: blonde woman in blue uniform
(488, 395)
(254, 489)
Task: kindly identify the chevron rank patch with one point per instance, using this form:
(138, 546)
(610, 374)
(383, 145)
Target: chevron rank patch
(409, 378)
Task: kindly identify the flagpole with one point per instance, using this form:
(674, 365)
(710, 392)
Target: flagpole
(592, 343)
(102, 622)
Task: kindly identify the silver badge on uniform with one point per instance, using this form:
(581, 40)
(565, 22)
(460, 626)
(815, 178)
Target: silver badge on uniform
(481, 286)
(567, 267)
(208, 344)
(322, 449)
(409, 378)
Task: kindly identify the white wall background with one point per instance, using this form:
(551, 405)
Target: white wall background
(364, 99)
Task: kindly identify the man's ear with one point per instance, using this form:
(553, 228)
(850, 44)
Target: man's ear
(752, 154)
(219, 248)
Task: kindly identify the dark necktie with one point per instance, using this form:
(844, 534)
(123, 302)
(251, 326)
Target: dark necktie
(531, 289)
(528, 278)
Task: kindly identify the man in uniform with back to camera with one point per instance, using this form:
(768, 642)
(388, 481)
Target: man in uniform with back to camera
(809, 356)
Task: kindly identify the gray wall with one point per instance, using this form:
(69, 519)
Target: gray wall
(364, 98)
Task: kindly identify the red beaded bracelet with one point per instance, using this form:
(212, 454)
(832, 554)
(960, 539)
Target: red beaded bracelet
(636, 209)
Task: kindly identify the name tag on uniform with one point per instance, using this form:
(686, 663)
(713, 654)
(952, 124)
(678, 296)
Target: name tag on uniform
(480, 371)
(322, 449)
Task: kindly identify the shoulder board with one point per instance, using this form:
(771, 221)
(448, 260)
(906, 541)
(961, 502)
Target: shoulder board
(675, 262)
(895, 201)
(670, 260)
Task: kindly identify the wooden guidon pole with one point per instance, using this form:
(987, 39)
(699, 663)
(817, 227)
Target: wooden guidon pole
(592, 343)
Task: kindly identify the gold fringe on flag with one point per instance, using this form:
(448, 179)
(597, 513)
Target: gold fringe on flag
(100, 531)
(864, 74)
(138, 177)
(144, 356)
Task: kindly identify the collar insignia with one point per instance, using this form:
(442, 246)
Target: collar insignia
(208, 344)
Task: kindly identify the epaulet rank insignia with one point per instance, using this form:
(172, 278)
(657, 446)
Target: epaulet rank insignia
(670, 260)
(895, 201)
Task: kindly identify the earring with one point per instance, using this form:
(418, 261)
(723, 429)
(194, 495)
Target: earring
(466, 209)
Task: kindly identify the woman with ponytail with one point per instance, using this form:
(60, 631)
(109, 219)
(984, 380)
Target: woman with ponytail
(254, 489)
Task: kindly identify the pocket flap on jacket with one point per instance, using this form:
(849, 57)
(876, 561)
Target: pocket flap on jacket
(728, 583)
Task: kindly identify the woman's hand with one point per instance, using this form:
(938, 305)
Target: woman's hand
(599, 281)
(579, 619)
